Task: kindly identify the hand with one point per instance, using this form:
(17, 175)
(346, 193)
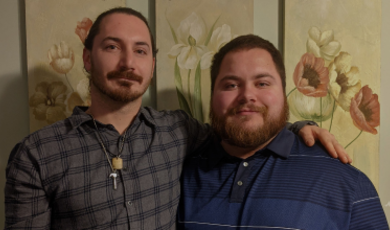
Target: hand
(310, 133)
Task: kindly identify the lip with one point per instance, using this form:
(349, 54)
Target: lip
(246, 112)
(126, 79)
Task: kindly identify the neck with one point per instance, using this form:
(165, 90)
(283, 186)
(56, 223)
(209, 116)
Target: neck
(243, 152)
(108, 111)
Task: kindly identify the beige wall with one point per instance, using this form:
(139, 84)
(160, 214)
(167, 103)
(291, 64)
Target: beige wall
(13, 79)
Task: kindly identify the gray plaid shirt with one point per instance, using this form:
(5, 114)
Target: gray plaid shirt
(57, 177)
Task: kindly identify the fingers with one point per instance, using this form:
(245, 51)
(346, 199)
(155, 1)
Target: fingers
(307, 135)
(334, 148)
(342, 153)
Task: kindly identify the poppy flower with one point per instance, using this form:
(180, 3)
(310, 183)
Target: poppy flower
(83, 28)
(365, 110)
(322, 44)
(61, 58)
(311, 77)
(344, 80)
(48, 101)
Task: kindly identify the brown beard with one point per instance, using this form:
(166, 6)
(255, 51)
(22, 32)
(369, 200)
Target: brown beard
(235, 134)
(124, 94)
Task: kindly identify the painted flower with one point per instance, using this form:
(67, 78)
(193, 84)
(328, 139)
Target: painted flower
(219, 38)
(82, 28)
(61, 58)
(83, 88)
(322, 44)
(344, 80)
(48, 101)
(311, 77)
(191, 34)
(310, 108)
(365, 110)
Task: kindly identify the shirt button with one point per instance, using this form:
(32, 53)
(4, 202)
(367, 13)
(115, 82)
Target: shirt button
(129, 203)
(245, 164)
(239, 183)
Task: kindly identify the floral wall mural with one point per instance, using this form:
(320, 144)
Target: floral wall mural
(332, 56)
(189, 33)
(56, 31)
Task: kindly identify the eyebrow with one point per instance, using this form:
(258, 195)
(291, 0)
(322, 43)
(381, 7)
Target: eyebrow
(235, 78)
(115, 39)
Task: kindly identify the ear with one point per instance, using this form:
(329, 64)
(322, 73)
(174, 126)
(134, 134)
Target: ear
(87, 60)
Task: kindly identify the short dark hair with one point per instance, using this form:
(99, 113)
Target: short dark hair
(247, 42)
(95, 29)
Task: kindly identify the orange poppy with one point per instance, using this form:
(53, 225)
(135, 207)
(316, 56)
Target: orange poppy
(311, 77)
(365, 110)
(82, 28)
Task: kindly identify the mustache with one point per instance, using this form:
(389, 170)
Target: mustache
(253, 108)
(124, 74)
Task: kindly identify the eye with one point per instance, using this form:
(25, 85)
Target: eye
(262, 84)
(230, 86)
(141, 51)
(111, 47)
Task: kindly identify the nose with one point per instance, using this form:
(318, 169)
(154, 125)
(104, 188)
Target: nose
(127, 60)
(247, 94)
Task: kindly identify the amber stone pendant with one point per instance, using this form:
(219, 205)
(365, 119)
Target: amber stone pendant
(117, 163)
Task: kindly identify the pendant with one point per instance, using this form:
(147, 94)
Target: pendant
(114, 175)
(117, 163)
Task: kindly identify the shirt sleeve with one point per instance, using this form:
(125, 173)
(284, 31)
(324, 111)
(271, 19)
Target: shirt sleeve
(367, 212)
(26, 203)
(298, 125)
(198, 132)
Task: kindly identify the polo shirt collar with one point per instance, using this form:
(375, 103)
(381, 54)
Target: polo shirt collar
(281, 146)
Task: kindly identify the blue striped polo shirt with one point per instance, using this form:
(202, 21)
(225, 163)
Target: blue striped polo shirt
(286, 185)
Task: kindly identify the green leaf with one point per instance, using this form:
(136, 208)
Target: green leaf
(173, 32)
(211, 32)
(197, 102)
(183, 102)
(179, 91)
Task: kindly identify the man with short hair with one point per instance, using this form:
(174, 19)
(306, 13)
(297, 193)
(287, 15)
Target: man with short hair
(115, 164)
(255, 174)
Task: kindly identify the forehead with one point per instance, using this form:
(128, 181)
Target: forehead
(124, 25)
(248, 62)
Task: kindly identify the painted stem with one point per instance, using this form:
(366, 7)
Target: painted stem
(291, 91)
(353, 139)
(331, 119)
(189, 90)
(67, 80)
(321, 111)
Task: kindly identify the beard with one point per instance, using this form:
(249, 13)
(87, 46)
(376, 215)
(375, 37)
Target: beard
(236, 134)
(124, 93)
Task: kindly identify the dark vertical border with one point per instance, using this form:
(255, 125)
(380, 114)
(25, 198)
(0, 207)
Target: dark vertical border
(23, 53)
(281, 26)
(152, 24)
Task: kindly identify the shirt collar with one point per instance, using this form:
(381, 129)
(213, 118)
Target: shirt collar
(79, 116)
(281, 146)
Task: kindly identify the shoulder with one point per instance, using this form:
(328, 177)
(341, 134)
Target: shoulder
(44, 138)
(317, 160)
(164, 115)
(173, 118)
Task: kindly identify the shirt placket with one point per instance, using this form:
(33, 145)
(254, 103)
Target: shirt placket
(240, 181)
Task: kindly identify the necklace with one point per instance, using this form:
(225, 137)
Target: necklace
(116, 162)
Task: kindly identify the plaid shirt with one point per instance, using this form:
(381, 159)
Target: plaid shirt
(58, 177)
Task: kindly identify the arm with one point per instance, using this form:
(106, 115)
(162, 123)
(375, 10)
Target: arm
(26, 203)
(309, 131)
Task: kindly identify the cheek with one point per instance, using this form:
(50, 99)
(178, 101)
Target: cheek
(221, 102)
(275, 103)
